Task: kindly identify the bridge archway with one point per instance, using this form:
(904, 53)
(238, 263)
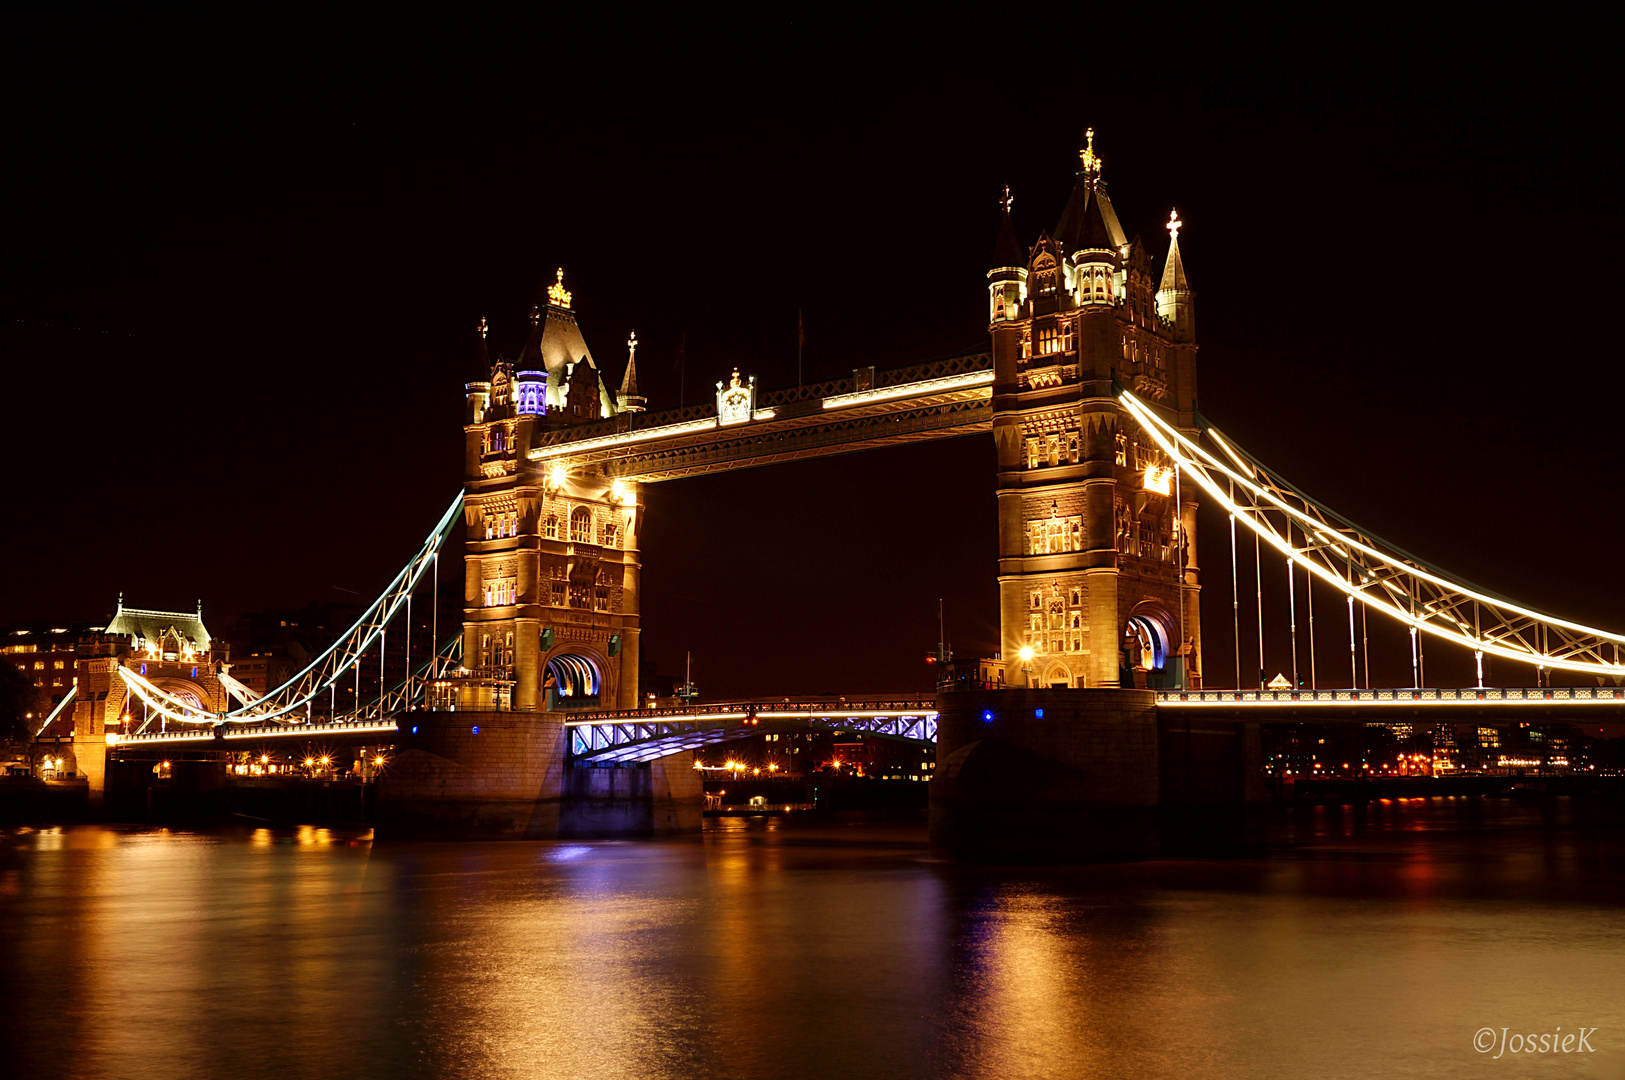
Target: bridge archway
(573, 681)
(1148, 638)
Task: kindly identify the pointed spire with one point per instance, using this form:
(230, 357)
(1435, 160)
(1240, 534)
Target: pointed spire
(628, 400)
(1006, 251)
(1089, 222)
(482, 358)
(1173, 273)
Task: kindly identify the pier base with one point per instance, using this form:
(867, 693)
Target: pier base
(504, 776)
(1083, 775)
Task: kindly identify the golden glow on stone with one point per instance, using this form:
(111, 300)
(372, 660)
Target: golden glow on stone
(1174, 224)
(557, 294)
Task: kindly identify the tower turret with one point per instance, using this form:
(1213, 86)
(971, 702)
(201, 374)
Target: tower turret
(1007, 281)
(479, 388)
(1090, 235)
(628, 400)
(1176, 303)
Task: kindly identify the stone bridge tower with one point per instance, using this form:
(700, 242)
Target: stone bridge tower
(550, 600)
(1097, 542)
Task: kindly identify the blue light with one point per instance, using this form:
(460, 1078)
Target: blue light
(1038, 713)
(476, 729)
(987, 716)
(414, 729)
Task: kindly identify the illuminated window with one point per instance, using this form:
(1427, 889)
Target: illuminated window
(612, 536)
(489, 522)
(581, 525)
(580, 596)
(551, 528)
(601, 600)
(1049, 340)
(1077, 597)
(57, 664)
(1122, 450)
(1072, 447)
(558, 594)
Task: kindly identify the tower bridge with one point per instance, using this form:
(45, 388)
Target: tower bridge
(1089, 392)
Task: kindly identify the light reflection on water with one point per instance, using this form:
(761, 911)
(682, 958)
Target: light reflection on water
(765, 949)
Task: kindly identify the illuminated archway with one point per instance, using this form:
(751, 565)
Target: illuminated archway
(1148, 638)
(1057, 674)
(573, 680)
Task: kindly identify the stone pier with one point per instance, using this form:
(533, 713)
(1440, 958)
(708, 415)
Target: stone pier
(1084, 775)
(504, 776)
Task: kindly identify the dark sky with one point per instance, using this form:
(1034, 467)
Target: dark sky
(243, 262)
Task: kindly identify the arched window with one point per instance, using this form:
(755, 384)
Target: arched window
(581, 525)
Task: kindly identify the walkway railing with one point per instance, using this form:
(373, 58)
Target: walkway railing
(1544, 695)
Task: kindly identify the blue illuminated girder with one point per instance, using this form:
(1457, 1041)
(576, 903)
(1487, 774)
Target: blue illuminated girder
(626, 737)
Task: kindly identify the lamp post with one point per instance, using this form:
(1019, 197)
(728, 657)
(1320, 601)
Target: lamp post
(1026, 655)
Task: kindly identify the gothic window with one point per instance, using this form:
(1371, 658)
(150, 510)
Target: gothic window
(1122, 450)
(1026, 344)
(1038, 599)
(1076, 534)
(1049, 340)
(489, 519)
(581, 525)
(504, 652)
(1072, 447)
(1052, 449)
(1077, 597)
(558, 594)
(551, 528)
(484, 659)
(612, 536)
(580, 597)
(601, 600)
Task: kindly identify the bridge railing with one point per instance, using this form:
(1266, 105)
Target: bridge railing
(725, 710)
(1405, 696)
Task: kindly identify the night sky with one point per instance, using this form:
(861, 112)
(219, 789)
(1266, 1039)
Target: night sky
(243, 263)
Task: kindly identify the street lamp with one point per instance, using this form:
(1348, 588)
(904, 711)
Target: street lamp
(1026, 655)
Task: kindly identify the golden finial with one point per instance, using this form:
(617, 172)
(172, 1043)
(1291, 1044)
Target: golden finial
(1174, 225)
(557, 294)
(632, 346)
(482, 328)
(1007, 200)
(1091, 160)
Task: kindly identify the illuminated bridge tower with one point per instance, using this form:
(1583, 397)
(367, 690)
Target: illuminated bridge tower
(1097, 563)
(550, 602)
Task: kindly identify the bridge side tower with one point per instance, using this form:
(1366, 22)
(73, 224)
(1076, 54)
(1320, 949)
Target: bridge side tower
(1097, 542)
(551, 566)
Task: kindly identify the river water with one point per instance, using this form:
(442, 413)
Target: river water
(1376, 947)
